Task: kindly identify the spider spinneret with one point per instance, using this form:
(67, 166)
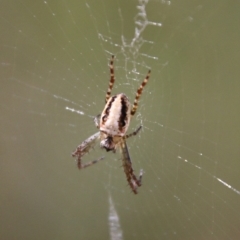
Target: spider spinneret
(113, 124)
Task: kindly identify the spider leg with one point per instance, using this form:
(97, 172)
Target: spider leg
(112, 80)
(133, 181)
(139, 93)
(84, 148)
(133, 133)
(81, 166)
(97, 120)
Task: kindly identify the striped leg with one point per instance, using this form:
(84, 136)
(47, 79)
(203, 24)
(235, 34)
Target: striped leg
(112, 80)
(133, 181)
(133, 133)
(81, 166)
(139, 93)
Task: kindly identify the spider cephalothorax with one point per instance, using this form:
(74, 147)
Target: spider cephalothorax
(113, 124)
(109, 143)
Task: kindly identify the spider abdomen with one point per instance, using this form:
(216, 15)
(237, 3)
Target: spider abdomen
(115, 118)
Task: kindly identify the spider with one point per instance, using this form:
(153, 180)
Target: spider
(113, 124)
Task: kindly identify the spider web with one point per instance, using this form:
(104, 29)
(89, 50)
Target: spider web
(54, 77)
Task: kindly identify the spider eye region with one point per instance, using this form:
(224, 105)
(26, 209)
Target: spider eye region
(108, 143)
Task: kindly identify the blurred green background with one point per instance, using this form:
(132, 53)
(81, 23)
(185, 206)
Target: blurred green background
(54, 75)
